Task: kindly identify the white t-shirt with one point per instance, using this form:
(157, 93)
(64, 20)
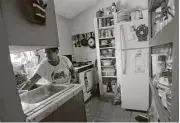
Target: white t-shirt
(59, 73)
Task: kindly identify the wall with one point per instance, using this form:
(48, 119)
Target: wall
(64, 33)
(10, 107)
(84, 22)
(22, 32)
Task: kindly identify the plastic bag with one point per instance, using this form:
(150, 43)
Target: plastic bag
(117, 98)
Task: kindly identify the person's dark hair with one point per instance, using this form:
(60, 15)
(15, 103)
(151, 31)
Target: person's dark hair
(54, 49)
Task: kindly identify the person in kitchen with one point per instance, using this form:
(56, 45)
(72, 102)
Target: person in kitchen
(55, 68)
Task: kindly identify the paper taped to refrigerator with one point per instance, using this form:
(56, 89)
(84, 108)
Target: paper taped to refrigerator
(140, 63)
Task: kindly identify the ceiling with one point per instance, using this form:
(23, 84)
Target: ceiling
(71, 8)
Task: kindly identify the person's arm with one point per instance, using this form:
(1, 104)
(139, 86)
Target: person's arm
(32, 81)
(71, 69)
(37, 76)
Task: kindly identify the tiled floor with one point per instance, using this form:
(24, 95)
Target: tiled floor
(102, 110)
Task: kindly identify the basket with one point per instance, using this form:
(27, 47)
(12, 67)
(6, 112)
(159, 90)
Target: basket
(104, 51)
(106, 72)
(106, 62)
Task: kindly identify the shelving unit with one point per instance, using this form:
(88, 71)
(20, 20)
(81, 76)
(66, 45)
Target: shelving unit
(162, 38)
(105, 31)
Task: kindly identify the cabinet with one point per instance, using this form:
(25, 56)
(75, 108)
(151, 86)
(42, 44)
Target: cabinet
(165, 37)
(165, 28)
(107, 47)
(71, 111)
(22, 34)
(64, 35)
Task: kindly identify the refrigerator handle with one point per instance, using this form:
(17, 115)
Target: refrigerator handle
(124, 61)
(123, 53)
(147, 60)
(122, 35)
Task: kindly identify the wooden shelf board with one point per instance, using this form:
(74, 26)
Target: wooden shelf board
(107, 27)
(107, 48)
(106, 38)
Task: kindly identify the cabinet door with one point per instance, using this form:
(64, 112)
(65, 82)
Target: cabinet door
(90, 78)
(23, 33)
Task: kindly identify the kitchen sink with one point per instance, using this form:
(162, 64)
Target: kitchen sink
(39, 95)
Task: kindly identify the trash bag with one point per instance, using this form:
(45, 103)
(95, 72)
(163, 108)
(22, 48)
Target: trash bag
(117, 97)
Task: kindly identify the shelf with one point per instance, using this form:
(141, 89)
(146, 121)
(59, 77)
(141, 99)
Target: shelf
(109, 58)
(107, 48)
(154, 4)
(106, 16)
(163, 113)
(109, 76)
(107, 27)
(165, 35)
(106, 38)
(109, 66)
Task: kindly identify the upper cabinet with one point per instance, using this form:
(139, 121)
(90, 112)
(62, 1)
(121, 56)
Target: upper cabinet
(161, 21)
(21, 29)
(64, 26)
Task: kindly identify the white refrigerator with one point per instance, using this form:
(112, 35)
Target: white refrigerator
(134, 64)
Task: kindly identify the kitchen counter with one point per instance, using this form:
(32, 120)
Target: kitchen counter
(48, 107)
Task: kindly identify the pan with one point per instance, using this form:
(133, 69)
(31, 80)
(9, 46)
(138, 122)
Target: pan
(91, 41)
(84, 41)
(78, 42)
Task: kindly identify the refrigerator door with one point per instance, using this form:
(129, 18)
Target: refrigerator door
(134, 34)
(135, 79)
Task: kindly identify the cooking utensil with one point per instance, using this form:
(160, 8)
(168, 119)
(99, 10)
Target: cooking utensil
(75, 40)
(84, 41)
(78, 42)
(91, 41)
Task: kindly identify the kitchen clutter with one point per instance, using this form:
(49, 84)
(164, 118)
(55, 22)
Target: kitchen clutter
(163, 15)
(109, 85)
(162, 73)
(107, 11)
(106, 33)
(107, 43)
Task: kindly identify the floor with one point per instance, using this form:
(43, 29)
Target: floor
(102, 110)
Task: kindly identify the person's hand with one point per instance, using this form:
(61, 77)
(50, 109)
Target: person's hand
(26, 85)
(73, 81)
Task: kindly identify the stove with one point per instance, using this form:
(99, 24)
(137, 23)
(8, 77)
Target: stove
(79, 64)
